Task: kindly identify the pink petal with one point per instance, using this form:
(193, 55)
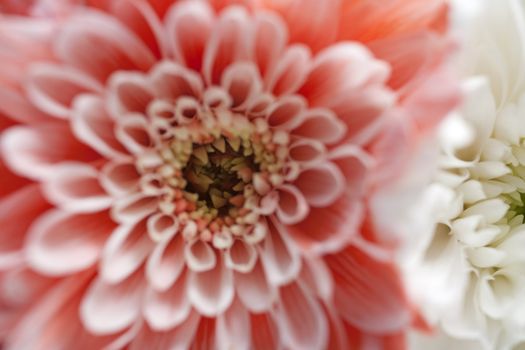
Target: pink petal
(355, 164)
(211, 292)
(17, 212)
(135, 134)
(125, 251)
(10, 182)
(93, 126)
(75, 187)
(119, 178)
(179, 338)
(241, 256)
(140, 17)
(109, 308)
(280, 258)
(292, 206)
(316, 277)
(171, 80)
(347, 79)
(242, 81)
(306, 152)
(134, 207)
(52, 88)
(128, 92)
(265, 334)
(321, 184)
(286, 112)
(311, 22)
(271, 37)
(322, 125)
(253, 289)
(300, 318)
(34, 151)
(168, 309)
(162, 227)
(330, 228)
(61, 243)
(15, 106)
(189, 25)
(228, 43)
(290, 72)
(368, 293)
(200, 256)
(233, 328)
(166, 263)
(98, 44)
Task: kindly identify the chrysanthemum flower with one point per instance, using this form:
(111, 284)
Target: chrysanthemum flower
(211, 175)
(479, 242)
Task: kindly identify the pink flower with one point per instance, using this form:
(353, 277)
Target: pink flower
(204, 174)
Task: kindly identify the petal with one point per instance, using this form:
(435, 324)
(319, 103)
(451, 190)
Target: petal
(75, 187)
(166, 262)
(306, 152)
(17, 212)
(189, 26)
(240, 257)
(179, 338)
(135, 134)
(52, 88)
(172, 80)
(347, 79)
(166, 310)
(61, 243)
(119, 177)
(128, 92)
(322, 125)
(330, 228)
(286, 112)
(321, 184)
(301, 319)
(292, 206)
(93, 126)
(109, 308)
(354, 164)
(254, 291)
(228, 43)
(15, 106)
(233, 328)
(280, 258)
(271, 37)
(290, 72)
(211, 292)
(125, 251)
(134, 207)
(99, 44)
(200, 256)
(243, 83)
(265, 334)
(368, 293)
(34, 151)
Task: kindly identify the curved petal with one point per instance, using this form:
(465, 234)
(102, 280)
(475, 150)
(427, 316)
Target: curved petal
(166, 263)
(120, 177)
(321, 184)
(322, 125)
(109, 308)
(254, 290)
(228, 43)
(271, 37)
(265, 333)
(188, 26)
(61, 243)
(233, 328)
(368, 293)
(211, 292)
(93, 126)
(347, 79)
(172, 80)
(99, 44)
(292, 206)
(243, 83)
(290, 72)
(286, 112)
(34, 151)
(301, 319)
(125, 251)
(17, 212)
(52, 88)
(166, 310)
(280, 258)
(75, 187)
(241, 256)
(200, 256)
(128, 92)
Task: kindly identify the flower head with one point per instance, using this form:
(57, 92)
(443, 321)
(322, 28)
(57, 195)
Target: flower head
(204, 173)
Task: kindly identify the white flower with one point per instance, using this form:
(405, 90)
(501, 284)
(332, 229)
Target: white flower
(471, 278)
